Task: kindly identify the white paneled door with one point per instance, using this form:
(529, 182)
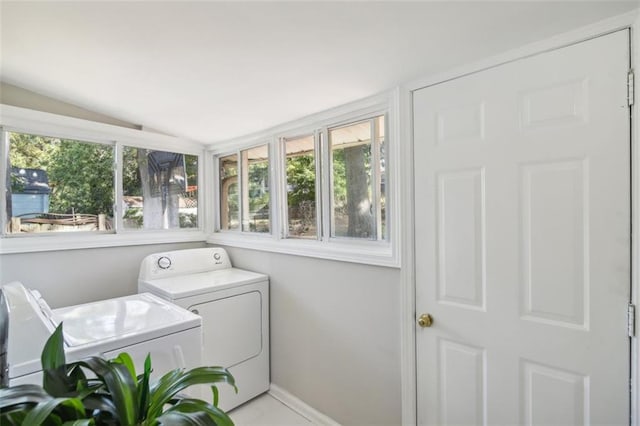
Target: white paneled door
(522, 210)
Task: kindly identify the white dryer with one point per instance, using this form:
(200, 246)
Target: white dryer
(234, 305)
(139, 324)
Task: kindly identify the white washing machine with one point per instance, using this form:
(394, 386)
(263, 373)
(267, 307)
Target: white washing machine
(139, 324)
(234, 305)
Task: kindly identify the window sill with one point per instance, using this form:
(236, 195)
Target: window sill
(52, 242)
(375, 253)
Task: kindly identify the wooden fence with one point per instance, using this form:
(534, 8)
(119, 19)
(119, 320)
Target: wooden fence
(59, 222)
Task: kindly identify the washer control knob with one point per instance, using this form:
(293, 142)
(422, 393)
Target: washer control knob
(216, 256)
(164, 262)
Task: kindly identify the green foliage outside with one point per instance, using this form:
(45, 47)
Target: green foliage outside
(131, 184)
(258, 186)
(191, 169)
(80, 174)
(301, 180)
(339, 179)
(29, 151)
(83, 178)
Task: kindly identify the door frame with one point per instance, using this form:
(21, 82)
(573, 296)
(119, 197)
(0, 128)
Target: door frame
(408, 359)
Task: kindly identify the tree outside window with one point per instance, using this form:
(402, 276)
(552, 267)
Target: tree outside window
(59, 185)
(357, 179)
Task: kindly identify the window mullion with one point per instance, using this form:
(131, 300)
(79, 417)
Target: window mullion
(243, 186)
(283, 204)
(5, 173)
(119, 190)
(274, 176)
(375, 179)
(321, 228)
(327, 185)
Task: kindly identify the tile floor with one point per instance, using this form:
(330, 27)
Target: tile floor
(265, 410)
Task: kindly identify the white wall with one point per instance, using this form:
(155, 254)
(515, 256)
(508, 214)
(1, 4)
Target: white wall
(19, 97)
(69, 277)
(335, 334)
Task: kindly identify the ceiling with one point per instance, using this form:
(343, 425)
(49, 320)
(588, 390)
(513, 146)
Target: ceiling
(211, 71)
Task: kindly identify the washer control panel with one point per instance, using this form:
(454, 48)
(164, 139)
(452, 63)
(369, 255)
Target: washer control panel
(181, 262)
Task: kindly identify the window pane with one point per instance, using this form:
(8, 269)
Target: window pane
(229, 206)
(352, 210)
(301, 187)
(59, 185)
(255, 189)
(160, 189)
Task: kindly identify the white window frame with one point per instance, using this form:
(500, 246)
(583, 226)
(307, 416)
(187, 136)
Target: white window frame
(14, 119)
(381, 252)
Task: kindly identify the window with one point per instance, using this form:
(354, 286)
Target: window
(255, 189)
(357, 179)
(63, 185)
(244, 190)
(59, 185)
(229, 194)
(329, 183)
(160, 189)
(87, 184)
(300, 170)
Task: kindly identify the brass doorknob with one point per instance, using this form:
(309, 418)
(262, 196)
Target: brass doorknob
(425, 320)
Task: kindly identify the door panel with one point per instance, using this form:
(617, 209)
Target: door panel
(522, 207)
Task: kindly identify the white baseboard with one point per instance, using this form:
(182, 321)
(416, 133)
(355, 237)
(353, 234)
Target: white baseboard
(302, 408)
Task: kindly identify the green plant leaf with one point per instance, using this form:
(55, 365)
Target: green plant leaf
(185, 419)
(125, 359)
(216, 395)
(54, 375)
(13, 418)
(53, 352)
(22, 394)
(176, 381)
(83, 422)
(100, 402)
(85, 390)
(219, 417)
(41, 412)
(120, 384)
(76, 376)
(57, 383)
(143, 389)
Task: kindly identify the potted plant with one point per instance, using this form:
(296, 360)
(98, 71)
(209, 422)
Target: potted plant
(98, 392)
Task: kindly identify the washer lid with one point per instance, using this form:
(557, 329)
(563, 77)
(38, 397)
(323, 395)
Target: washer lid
(182, 286)
(143, 316)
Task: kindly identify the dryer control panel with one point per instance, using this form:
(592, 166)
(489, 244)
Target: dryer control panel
(183, 262)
